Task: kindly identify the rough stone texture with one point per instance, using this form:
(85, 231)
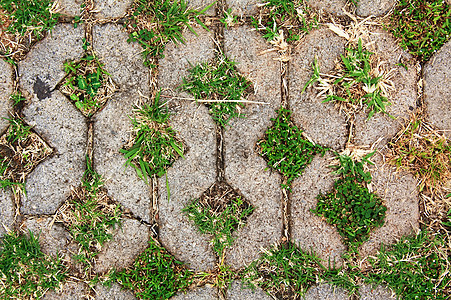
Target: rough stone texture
(6, 211)
(366, 8)
(70, 8)
(112, 125)
(115, 292)
(381, 127)
(69, 291)
(367, 292)
(129, 240)
(201, 293)
(437, 89)
(201, 4)
(237, 292)
(111, 8)
(400, 196)
(331, 6)
(326, 292)
(244, 7)
(189, 177)
(309, 231)
(6, 89)
(63, 127)
(244, 168)
(43, 67)
(321, 121)
(53, 238)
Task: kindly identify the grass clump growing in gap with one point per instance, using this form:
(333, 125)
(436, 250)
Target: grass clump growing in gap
(219, 212)
(155, 23)
(90, 216)
(285, 149)
(416, 267)
(155, 274)
(350, 206)
(356, 82)
(155, 146)
(21, 150)
(25, 271)
(87, 84)
(280, 18)
(221, 83)
(423, 26)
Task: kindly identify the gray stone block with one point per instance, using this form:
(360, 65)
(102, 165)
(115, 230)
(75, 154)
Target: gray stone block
(6, 211)
(320, 121)
(437, 89)
(244, 168)
(69, 291)
(70, 8)
(334, 7)
(368, 292)
(200, 293)
(115, 292)
(111, 8)
(6, 89)
(376, 8)
(326, 291)
(237, 292)
(244, 7)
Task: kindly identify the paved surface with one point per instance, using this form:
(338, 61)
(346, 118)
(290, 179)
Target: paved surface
(69, 133)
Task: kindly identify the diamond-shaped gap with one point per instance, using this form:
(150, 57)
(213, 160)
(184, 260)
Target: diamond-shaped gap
(90, 216)
(21, 150)
(219, 211)
(87, 84)
(221, 87)
(154, 146)
(285, 148)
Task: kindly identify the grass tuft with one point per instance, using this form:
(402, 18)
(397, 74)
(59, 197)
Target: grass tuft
(155, 274)
(25, 271)
(285, 149)
(423, 26)
(219, 82)
(155, 146)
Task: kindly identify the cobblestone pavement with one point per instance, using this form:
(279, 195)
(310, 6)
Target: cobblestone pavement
(213, 154)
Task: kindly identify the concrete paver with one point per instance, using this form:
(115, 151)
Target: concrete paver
(326, 291)
(367, 8)
(237, 292)
(201, 293)
(6, 211)
(111, 8)
(115, 292)
(70, 8)
(368, 292)
(6, 89)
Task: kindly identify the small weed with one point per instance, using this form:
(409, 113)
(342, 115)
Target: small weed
(354, 82)
(422, 26)
(90, 216)
(87, 84)
(155, 23)
(25, 271)
(229, 19)
(219, 212)
(222, 84)
(21, 151)
(285, 149)
(17, 98)
(291, 19)
(416, 267)
(424, 152)
(155, 274)
(155, 146)
(350, 206)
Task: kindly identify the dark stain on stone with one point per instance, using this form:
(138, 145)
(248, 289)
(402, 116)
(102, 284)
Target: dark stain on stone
(41, 89)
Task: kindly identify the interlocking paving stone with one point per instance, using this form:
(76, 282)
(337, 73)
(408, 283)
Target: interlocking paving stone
(112, 125)
(309, 231)
(129, 240)
(326, 291)
(111, 8)
(374, 7)
(244, 7)
(244, 168)
(191, 176)
(200, 293)
(380, 127)
(400, 196)
(201, 4)
(321, 121)
(437, 89)
(6, 89)
(112, 293)
(63, 127)
(43, 68)
(331, 6)
(70, 8)
(6, 211)
(236, 292)
(367, 292)
(69, 291)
